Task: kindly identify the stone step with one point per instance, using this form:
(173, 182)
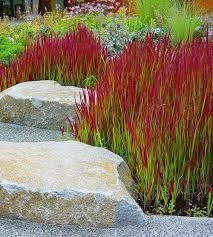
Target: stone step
(66, 183)
(42, 104)
(155, 226)
(17, 133)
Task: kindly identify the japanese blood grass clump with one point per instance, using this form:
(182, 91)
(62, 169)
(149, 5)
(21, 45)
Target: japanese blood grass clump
(75, 59)
(3, 82)
(153, 106)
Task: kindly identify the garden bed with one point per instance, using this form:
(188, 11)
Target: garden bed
(150, 95)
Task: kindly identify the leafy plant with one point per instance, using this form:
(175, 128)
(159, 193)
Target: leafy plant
(23, 32)
(161, 210)
(9, 49)
(155, 32)
(4, 27)
(90, 81)
(197, 212)
(114, 37)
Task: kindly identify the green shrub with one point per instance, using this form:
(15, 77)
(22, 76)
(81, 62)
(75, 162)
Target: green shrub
(23, 32)
(9, 49)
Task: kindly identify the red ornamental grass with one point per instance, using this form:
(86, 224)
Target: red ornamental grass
(2, 78)
(70, 60)
(154, 108)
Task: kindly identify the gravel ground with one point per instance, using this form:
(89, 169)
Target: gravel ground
(155, 227)
(17, 133)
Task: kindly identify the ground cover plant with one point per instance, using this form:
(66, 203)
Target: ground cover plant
(14, 38)
(160, 122)
(8, 49)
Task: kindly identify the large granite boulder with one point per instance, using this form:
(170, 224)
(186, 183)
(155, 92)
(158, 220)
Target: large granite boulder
(66, 183)
(42, 104)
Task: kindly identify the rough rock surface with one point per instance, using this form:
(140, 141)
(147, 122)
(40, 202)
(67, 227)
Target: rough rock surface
(42, 104)
(66, 183)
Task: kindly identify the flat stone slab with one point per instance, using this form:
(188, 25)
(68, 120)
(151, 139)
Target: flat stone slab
(155, 226)
(42, 104)
(18, 133)
(66, 183)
